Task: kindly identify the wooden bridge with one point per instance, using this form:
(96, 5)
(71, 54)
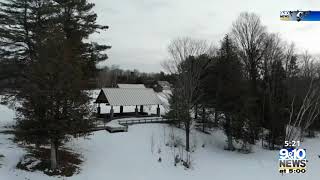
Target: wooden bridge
(144, 121)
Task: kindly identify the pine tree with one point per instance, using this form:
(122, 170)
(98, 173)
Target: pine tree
(46, 37)
(274, 88)
(78, 22)
(276, 104)
(227, 90)
(250, 36)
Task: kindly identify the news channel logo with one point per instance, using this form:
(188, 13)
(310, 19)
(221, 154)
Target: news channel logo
(300, 15)
(292, 160)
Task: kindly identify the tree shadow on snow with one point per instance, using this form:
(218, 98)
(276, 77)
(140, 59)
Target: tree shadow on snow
(38, 159)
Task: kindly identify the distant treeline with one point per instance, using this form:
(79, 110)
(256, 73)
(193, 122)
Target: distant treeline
(103, 77)
(111, 76)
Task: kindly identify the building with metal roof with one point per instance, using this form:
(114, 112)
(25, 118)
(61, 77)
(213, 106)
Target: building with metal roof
(128, 97)
(131, 86)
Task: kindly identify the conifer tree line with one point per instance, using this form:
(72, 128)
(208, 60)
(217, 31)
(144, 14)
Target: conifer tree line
(111, 76)
(255, 86)
(44, 47)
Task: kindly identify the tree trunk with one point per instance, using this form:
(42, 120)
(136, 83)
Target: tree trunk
(215, 117)
(273, 142)
(57, 144)
(53, 157)
(203, 118)
(229, 134)
(252, 136)
(187, 124)
(230, 144)
(311, 133)
(196, 112)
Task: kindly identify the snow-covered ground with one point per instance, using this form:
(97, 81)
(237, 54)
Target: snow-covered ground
(6, 117)
(134, 155)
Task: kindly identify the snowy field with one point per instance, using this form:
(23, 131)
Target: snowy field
(134, 155)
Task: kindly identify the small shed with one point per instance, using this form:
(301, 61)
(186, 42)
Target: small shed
(128, 97)
(165, 85)
(131, 86)
(160, 86)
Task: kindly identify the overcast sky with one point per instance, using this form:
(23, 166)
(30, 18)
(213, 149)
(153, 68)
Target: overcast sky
(140, 30)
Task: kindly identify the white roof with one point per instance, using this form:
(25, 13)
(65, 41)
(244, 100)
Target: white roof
(131, 97)
(136, 86)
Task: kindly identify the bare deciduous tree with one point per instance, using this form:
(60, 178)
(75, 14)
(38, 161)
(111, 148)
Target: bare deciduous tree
(307, 113)
(104, 78)
(250, 35)
(308, 65)
(289, 55)
(184, 64)
(181, 48)
(273, 52)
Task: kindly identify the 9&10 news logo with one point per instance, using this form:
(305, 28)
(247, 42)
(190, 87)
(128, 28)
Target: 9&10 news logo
(292, 159)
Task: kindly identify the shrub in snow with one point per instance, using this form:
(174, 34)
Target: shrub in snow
(28, 163)
(229, 149)
(246, 148)
(174, 141)
(193, 148)
(186, 164)
(152, 143)
(178, 142)
(177, 160)
(1, 157)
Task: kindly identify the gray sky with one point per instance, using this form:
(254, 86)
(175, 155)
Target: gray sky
(140, 30)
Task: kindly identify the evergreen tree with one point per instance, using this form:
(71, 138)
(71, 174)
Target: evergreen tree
(47, 38)
(250, 36)
(276, 104)
(274, 89)
(226, 91)
(78, 22)
(293, 69)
